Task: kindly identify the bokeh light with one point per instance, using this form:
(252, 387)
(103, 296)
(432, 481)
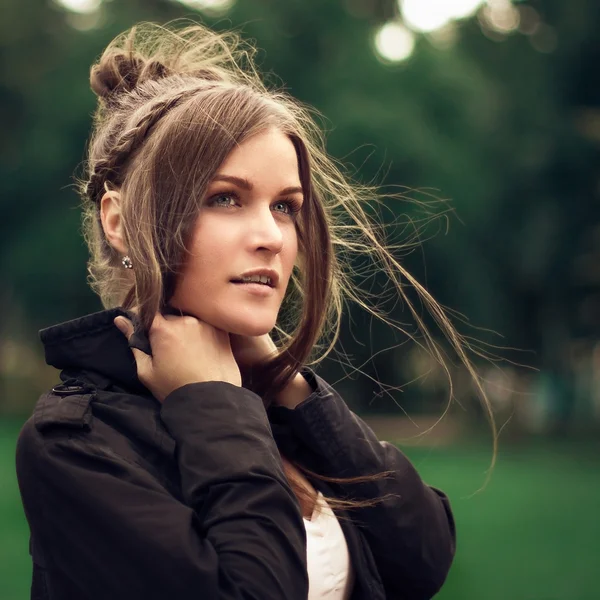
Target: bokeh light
(210, 7)
(80, 6)
(394, 42)
(429, 15)
(501, 16)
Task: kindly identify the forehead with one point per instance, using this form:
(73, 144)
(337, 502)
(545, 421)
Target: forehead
(269, 155)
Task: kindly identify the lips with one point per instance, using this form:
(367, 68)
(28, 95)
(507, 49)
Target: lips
(239, 282)
(266, 277)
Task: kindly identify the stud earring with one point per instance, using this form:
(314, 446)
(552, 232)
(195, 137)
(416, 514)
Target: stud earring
(126, 261)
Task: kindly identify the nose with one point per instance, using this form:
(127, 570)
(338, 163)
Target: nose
(264, 232)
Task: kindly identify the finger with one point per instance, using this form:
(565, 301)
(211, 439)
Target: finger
(178, 317)
(171, 317)
(143, 361)
(124, 325)
(160, 320)
(170, 311)
(155, 327)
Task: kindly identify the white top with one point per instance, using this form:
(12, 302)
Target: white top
(330, 573)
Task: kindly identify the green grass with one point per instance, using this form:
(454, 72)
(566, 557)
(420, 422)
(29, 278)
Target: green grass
(15, 563)
(532, 534)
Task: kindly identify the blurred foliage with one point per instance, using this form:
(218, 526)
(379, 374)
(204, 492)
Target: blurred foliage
(508, 133)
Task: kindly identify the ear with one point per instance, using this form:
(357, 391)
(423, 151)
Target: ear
(110, 215)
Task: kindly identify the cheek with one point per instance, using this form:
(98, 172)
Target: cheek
(208, 248)
(204, 264)
(290, 250)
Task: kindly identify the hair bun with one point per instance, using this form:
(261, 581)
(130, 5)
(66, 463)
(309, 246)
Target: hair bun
(148, 52)
(120, 72)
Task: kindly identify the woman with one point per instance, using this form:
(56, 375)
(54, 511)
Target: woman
(186, 454)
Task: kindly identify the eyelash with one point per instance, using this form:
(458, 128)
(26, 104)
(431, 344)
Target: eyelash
(293, 205)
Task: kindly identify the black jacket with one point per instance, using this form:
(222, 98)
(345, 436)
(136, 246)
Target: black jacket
(130, 499)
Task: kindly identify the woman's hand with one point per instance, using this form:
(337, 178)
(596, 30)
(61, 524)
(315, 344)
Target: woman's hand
(184, 350)
(250, 351)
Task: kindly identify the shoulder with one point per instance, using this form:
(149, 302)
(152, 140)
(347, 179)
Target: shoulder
(65, 408)
(75, 423)
(59, 415)
(64, 441)
(62, 418)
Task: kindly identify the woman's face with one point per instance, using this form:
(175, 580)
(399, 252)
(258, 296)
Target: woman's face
(245, 230)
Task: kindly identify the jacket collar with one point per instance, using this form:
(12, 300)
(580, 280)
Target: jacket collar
(93, 344)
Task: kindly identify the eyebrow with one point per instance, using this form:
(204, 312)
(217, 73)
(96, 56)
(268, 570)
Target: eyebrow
(243, 183)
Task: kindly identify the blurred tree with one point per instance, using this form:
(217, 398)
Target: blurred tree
(505, 125)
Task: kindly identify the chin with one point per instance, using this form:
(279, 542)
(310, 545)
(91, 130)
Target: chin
(248, 329)
(249, 325)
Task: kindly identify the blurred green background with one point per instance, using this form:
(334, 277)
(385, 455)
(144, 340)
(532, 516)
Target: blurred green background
(491, 106)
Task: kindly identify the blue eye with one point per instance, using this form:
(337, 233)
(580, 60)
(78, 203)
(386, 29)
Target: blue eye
(285, 207)
(228, 200)
(288, 207)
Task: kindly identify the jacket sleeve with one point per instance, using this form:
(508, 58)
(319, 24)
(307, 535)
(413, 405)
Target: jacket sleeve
(411, 533)
(117, 532)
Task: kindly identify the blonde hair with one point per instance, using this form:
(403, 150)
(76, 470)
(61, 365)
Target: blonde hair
(173, 103)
